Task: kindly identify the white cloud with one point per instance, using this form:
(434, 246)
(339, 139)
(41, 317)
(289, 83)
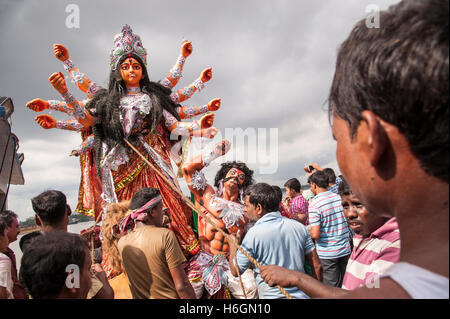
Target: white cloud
(47, 165)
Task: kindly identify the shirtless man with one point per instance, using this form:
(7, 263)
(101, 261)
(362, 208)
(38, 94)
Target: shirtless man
(225, 207)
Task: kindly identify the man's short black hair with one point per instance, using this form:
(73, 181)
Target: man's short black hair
(344, 188)
(50, 206)
(294, 184)
(279, 192)
(263, 194)
(331, 175)
(43, 266)
(319, 178)
(27, 238)
(8, 216)
(143, 196)
(400, 72)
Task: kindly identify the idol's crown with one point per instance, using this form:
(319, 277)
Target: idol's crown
(125, 43)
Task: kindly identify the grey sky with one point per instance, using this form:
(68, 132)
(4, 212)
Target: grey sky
(273, 63)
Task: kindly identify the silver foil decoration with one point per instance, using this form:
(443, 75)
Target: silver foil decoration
(231, 212)
(198, 181)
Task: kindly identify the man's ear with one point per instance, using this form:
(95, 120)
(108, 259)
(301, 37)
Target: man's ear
(259, 209)
(377, 139)
(37, 220)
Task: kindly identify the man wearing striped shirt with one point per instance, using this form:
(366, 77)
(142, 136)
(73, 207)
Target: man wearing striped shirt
(333, 181)
(329, 229)
(376, 242)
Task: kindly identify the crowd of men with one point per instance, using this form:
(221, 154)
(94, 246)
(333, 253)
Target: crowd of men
(389, 106)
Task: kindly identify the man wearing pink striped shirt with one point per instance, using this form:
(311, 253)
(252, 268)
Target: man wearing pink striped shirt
(298, 205)
(376, 242)
(376, 248)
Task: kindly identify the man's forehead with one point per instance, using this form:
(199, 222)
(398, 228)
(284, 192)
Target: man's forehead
(349, 197)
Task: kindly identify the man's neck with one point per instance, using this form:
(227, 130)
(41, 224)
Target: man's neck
(321, 190)
(231, 196)
(147, 223)
(422, 215)
(60, 227)
(295, 195)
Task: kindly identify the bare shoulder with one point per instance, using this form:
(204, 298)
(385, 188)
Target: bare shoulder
(206, 197)
(388, 289)
(202, 196)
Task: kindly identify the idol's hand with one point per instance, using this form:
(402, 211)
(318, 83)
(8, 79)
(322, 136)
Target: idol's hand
(61, 53)
(209, 132)
(206, 75)
(207, 120)
(58, 82)
(46, 121)
(214, 105)
(74, 153)
(38, 105)
(219, 149)
(186, 48)
(222, 147)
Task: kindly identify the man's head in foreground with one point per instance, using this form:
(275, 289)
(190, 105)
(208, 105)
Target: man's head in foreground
(389, 105)
(57, 265)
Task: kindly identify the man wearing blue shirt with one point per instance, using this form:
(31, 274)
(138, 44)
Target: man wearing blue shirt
(273, 240)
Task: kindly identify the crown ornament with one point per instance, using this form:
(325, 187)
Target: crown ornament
(125, 43)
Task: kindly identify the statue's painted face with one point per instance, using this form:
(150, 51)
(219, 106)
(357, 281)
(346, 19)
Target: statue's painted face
(131, 72)
(235, 175)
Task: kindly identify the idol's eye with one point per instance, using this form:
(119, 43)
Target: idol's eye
(136, 67)
(241, 177)
(124, 66)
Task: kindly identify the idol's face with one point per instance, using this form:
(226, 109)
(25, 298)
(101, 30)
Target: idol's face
(131, 72)
(234, 179)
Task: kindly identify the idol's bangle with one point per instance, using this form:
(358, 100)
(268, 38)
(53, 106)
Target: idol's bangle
(68, 65)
